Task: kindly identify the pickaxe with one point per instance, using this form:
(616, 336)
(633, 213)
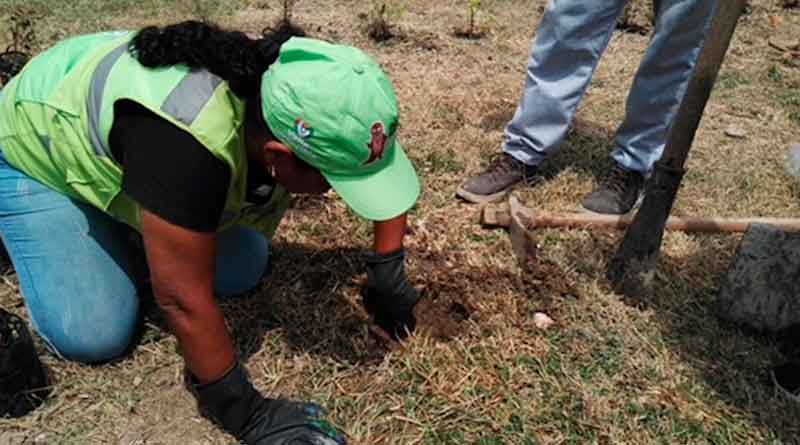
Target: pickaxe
(521, 222)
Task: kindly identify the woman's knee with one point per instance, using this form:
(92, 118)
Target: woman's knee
(101, 347)
(89, 334)
(242, 260)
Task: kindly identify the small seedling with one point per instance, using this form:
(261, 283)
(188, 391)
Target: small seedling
(285, 25)
(474, 7)
(23, 36)
(23, 40)
(378, 28)
(287, 9)
(472, 30)
(638, 17)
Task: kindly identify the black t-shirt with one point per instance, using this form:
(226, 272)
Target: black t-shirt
(169, 173)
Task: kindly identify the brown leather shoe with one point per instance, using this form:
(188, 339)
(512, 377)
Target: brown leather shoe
(617, 193)
(494, 183)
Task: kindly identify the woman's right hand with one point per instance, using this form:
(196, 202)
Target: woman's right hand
(241, 410)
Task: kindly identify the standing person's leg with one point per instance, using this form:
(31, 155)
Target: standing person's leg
(659, 86)
(571, 38)
(74, 269)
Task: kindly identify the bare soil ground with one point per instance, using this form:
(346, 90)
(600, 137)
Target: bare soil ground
(660, 370)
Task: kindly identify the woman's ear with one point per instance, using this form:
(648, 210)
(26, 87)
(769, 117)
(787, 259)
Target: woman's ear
(274, 150)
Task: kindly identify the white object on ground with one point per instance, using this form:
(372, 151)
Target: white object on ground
(542, 320)
(735, 132)
(792, 161)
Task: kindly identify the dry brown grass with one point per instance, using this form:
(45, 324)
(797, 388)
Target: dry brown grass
(664, 370)
(637, 17)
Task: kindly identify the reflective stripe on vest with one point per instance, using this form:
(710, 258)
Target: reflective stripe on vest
(187, 100)
(96, 89)
(184, 103)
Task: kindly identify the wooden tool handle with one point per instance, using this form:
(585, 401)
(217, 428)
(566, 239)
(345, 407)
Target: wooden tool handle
(684, 224)
(693, 224)
(579, 221)
(498, 216)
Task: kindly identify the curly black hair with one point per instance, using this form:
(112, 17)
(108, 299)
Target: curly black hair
(231, 55)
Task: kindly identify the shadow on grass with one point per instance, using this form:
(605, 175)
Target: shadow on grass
(304, 295)
(587, 149)
(731, 362)
(734, 362)
(307, 291)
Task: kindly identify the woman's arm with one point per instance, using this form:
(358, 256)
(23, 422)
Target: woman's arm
(388, 235)
(182, 266)
(388, 296)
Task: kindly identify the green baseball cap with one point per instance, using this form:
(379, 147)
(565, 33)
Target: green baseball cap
(334, 107)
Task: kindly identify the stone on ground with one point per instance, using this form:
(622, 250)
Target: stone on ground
(762, 287)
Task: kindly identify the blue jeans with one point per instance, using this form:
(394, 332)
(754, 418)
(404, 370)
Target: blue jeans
(75, 266)
(571, 38)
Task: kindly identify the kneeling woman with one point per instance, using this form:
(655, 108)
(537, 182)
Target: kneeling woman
(195, 137)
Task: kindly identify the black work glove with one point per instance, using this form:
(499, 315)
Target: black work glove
(388, 296)
(23, 380)
(241, 410)
(787, 378)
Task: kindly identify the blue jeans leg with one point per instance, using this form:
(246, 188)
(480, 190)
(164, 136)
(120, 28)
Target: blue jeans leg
(569, 42)
(661, 81)
(242, 259)
(74, 269)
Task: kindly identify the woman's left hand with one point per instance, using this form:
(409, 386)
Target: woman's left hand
(388, 295)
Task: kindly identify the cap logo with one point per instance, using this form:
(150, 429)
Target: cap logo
(377, 145)
(302, 129)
